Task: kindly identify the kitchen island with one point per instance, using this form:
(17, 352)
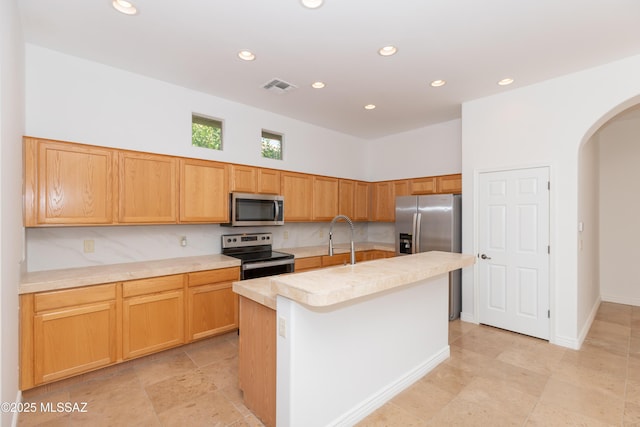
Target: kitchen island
(344, 340)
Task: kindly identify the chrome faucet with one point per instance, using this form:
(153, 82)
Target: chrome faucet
(348, 220)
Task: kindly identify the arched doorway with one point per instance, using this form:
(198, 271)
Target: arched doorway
(608, 205)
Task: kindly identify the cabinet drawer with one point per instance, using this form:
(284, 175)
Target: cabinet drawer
(339, 259)
(72, 297)
(308, 263)
(154, 284)
(214, 276)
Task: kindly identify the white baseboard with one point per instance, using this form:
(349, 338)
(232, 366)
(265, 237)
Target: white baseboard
(468, 317)
(576, 343)
(361, 411)
(621, 300)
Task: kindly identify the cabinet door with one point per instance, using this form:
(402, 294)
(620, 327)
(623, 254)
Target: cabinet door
(72, 340)
(383, 201)
(325, 198)
(450, 184)
(152, 315)
(400, 188)
(212, 304)
(147, 191)
(68, 183)
(213, 309)
(268, 181)
(204, 191)
(425, 185)
(244, 179)
(361, 201)
(309, 263)
(297, 189)
(346, 196)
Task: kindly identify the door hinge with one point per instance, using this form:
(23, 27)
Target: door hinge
(548, 249)
(548, 314)
(548, 185)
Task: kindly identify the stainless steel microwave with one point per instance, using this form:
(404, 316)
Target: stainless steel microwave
(256, 209)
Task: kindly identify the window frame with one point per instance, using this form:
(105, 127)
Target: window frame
(213, 122)
(273, 136)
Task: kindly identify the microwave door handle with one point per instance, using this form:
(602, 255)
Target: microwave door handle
(277, 210)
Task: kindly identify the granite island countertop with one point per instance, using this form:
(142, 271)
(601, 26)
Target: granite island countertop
(333, 285)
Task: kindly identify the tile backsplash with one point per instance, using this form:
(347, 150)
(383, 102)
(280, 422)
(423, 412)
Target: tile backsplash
(54, 248)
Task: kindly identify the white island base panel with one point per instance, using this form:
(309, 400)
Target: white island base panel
(337, 364)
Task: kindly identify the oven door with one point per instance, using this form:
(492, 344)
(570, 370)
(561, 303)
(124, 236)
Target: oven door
(256, 209)
(255, 269)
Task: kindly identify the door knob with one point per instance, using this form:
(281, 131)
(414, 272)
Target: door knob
(483, 256)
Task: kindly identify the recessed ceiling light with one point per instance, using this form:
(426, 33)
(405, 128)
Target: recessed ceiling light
(312, 4)
(388, 50)
(505, 81)
(246, 55)
(125, 7)
(317, 85)
(369, 107)
(438, 83)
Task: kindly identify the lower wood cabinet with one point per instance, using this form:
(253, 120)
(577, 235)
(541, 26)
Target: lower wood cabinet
(67, 332)
(257, 359)
(152, 315)
(212, 304)
(71, 331)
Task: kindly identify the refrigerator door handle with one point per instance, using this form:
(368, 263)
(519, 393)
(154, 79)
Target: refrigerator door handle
(416, 227)
(414, 248)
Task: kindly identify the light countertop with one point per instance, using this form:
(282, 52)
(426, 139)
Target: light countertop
(334, 285)
(38, 281)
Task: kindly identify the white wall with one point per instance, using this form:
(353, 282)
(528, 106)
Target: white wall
(589, 237)
(431, 150)
(11, 231)
(544, 124)
(620, 210)
(72, 99)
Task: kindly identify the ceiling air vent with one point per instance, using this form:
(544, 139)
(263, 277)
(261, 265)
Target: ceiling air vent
(278, 86)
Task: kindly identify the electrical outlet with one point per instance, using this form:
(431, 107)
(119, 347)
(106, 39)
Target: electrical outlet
(321, 234)
(183, 241)
(282, 327)
(285, 235)
(89, 246)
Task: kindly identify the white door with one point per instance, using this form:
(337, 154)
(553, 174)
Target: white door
(513, 246)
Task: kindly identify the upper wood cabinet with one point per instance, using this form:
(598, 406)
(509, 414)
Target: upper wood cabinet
(362, 201)
(268, 181)
(449, 183)
(68, 184)
(423, 185)
(297, 189)
(250, 179)
(204, 195)
(354, 199)
(243, 179)
(443, 184)
(325, 198)
(147, 188)
(384, 202)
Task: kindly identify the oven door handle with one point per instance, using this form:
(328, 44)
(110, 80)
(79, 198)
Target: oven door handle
(262, 264)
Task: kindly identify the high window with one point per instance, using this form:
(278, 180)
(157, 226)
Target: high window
(271, 145)
(206, 132)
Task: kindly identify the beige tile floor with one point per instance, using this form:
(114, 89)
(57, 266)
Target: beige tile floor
(493, 378)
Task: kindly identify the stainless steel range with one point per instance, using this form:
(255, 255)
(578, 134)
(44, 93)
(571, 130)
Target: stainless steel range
(255, 253)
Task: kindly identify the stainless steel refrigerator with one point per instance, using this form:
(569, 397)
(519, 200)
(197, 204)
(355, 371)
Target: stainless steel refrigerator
(432, 223)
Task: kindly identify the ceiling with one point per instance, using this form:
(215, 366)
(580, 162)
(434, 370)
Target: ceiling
(469, 43)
